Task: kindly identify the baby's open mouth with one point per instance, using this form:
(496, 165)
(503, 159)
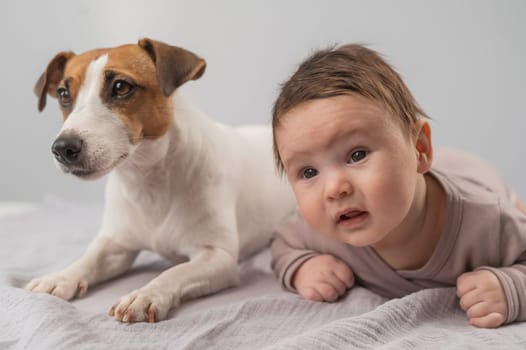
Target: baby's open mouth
(352, 214)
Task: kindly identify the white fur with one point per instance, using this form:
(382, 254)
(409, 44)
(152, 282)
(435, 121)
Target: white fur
(105, 137)
(203, 190)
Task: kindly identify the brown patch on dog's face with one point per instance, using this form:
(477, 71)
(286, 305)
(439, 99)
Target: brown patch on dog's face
(131, 90)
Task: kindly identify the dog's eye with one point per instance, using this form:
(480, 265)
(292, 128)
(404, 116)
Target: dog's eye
(64, 98)
(121, 89)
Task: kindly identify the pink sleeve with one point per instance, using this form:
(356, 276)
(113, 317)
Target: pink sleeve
(290, 249)
(512, 273)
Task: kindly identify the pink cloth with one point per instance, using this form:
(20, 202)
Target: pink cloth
(483, 230)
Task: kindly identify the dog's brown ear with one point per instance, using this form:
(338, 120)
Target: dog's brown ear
(175, 65)
(49, 80)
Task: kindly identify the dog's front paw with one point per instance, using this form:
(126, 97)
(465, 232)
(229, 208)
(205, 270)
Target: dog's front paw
(59, 286)
(147, 304)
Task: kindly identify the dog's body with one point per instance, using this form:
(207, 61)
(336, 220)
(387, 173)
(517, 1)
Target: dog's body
(179, 184)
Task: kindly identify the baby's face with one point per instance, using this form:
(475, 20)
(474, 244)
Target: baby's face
(351, 165)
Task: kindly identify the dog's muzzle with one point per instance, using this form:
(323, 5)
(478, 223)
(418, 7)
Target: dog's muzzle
(67, 149)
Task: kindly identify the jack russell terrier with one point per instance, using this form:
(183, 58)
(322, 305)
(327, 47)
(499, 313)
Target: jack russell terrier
(180, 184)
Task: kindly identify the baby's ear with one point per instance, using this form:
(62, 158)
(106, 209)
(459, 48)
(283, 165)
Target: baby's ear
(423, 145)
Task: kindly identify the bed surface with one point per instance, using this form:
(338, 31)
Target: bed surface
(38, 239)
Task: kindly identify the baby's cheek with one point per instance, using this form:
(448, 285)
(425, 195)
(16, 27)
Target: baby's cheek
(313, 211)
(390, 196)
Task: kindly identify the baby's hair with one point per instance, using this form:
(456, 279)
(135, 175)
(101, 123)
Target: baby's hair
(343, 70)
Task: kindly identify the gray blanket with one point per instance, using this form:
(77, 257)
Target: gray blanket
(256, 315)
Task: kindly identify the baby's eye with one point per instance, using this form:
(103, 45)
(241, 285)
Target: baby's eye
(308, 173)
(357, 156)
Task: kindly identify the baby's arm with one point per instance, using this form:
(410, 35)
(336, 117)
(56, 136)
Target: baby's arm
(300, 266)
(323, 278)
(492, 296)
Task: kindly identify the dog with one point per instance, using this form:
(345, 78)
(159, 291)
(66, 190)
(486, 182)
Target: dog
(179, 183)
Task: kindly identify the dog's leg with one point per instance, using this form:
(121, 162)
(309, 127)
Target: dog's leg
(209, 270)
(103, 260)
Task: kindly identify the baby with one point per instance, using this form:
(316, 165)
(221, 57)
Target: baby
(378, 207)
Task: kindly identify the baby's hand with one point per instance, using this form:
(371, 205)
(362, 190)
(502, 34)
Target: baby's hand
(482, 298)
(323, 278)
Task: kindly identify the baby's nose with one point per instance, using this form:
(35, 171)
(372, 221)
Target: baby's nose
(338, 185)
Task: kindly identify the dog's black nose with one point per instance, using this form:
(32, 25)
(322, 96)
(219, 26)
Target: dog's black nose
(67, 149)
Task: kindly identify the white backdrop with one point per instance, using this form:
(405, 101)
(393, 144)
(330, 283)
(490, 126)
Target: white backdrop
(463, 60)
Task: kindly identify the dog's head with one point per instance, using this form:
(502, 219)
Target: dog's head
(112, 99)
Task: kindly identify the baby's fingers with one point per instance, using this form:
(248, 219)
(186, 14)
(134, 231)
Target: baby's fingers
(310, 293)
(491, 320)
(470, 299)
(337, 284)
(320, 291)
(328, 291)
(344, 274)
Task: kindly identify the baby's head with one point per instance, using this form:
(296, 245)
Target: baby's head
(354, 145)
(343, 70)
